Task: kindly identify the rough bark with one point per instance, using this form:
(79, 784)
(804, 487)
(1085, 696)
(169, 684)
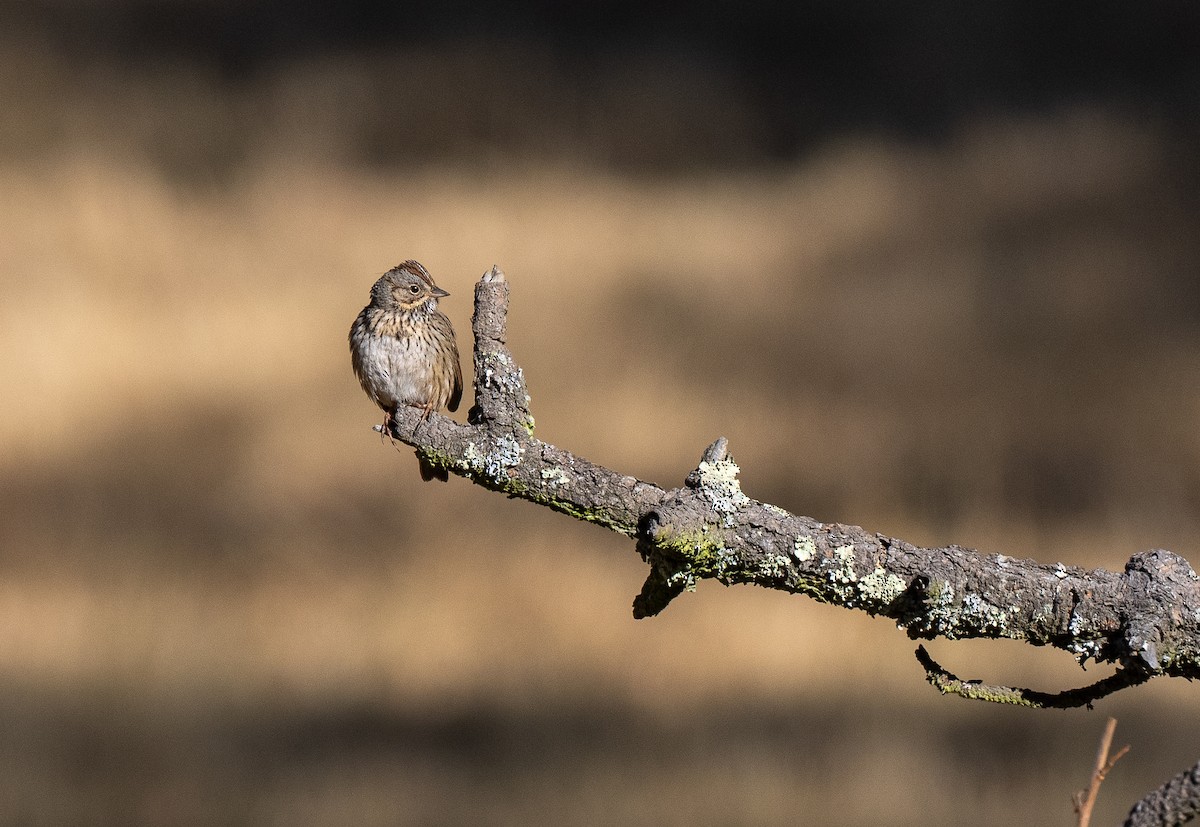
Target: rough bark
(1176, 802)
(1145, 619)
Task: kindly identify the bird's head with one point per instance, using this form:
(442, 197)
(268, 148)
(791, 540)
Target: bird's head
(406, 287)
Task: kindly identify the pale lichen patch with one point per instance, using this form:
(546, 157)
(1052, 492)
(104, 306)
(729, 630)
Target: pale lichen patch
(776, 566)
(555, 476)
(1076, 624)
(980, 615)
(881, 586)
(840, 573)
(473, 458)
(841, 565)
(941, 608)
(719, 484)
(505, 455)
(804, 548)
(1085, 650)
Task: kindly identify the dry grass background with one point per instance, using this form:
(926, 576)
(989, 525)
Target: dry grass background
(223, 600)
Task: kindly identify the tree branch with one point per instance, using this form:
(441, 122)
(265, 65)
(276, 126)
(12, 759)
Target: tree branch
(1146, 618)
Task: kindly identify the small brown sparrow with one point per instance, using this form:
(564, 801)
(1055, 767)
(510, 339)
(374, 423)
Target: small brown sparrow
(403, 349)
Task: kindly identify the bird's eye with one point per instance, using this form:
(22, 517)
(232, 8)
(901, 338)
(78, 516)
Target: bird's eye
(414, 289)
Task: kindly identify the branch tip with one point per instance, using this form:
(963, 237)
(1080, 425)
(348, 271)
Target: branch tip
(717, 452)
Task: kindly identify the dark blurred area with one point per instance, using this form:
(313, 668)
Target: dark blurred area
(644, 88)
(931, 267)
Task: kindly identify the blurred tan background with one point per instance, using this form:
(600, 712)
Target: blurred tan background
(933, 270)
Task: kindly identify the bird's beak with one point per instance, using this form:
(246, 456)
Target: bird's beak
(439, 293)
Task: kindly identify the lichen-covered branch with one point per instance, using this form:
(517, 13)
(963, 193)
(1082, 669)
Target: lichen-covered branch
(950, 684)
(500, 395)
(1145, 619)
(497, 448)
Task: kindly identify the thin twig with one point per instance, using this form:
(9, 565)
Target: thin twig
(1085, 800)
(948, 683)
